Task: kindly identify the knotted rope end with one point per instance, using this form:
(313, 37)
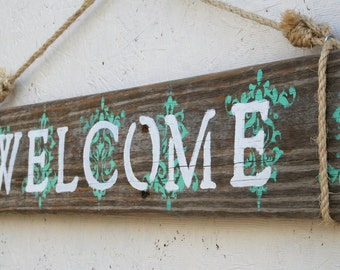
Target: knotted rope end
(6, 86)
(302, 31)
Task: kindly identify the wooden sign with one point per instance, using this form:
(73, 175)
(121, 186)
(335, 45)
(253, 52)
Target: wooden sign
(237, 143)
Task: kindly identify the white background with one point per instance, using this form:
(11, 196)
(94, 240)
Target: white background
(118, 44)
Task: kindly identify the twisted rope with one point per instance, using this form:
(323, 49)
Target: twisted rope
(7, 82)
(302, 31)
(329, 45)
(244, 14)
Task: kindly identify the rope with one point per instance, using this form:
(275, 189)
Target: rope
(7, 82)
(330, 45)
(244, 14)
(302, 31)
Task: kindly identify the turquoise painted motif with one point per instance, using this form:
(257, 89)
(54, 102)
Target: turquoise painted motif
(259, 91)
(334, 173)
(158, 185)
(46, 172)
(101, 162)
(4, 130)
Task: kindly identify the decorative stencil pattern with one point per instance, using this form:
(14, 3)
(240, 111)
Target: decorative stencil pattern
(40, 174)
(253, 124)
(158, 185)
(101, 155)
(4, 130)
(334, 173)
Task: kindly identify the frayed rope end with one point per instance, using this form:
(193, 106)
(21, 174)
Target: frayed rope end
(302, 31)
(6, 87)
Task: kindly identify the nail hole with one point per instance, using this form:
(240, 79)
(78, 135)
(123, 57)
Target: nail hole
(145, 194)
(145, 129)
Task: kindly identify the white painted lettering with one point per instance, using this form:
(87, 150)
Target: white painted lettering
(93, 183)
(33, 159)
(241, 142)
(154, 134)
(176, 143)
(61, 186)
(6, 173)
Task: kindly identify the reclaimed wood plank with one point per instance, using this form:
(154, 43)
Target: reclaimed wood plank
(290, 150)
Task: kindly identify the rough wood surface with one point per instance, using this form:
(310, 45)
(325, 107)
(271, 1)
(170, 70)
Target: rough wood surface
(295, 192)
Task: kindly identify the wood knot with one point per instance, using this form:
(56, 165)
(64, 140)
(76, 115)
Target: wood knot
(302, 31)
(6, 87)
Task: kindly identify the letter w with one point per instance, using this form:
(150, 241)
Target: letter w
(5, 142)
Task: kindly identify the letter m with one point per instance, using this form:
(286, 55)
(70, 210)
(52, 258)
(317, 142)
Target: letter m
(176, 143)
(6, 172)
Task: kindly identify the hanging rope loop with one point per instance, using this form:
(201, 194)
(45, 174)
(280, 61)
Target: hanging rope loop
(7, 82)
(6, 87)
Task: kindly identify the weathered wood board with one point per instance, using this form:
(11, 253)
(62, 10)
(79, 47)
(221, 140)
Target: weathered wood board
(237, 143)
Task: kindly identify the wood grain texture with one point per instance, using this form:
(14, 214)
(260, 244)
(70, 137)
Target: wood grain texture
(294, 194)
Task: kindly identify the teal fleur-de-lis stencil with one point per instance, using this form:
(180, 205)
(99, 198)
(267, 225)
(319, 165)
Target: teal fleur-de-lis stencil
(46, 172)
(101, 155)
(334, 173)
(4, 130)
(158, 185)
(253, 124)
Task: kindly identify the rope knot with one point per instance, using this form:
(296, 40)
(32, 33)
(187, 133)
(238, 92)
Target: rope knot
(302, 31)
(6, 87)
